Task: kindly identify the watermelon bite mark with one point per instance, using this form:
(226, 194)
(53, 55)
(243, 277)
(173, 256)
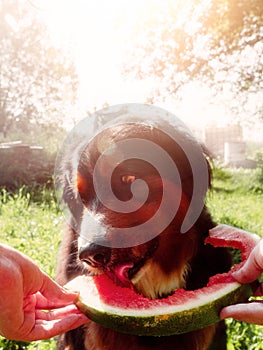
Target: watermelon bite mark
(123, 310)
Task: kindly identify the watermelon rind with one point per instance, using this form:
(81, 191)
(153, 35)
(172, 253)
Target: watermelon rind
(160, 319)
(171, 315)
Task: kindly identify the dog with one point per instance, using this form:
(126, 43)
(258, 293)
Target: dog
(152, 266)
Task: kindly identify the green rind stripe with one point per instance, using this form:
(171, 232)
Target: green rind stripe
(176, 322)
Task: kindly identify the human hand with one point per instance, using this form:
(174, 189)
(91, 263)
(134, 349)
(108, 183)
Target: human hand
(251, 312)
(26, 296)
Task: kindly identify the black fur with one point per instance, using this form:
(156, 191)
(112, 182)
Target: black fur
(204, 260)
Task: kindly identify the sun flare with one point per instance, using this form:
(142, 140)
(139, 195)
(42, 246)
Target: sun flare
(99, 34)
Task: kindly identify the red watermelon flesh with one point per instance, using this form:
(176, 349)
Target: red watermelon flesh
(221, 236)
(228, 236)
(127, 298)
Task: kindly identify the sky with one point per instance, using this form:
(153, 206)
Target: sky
(98, 34)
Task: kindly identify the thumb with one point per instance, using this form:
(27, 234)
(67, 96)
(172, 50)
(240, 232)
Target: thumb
(253, 266)
(52, 295)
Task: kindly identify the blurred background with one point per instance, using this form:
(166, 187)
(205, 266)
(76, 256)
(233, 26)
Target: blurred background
(61, 60)
(200, 59)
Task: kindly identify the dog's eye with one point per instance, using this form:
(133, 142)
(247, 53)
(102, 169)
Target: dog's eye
(128, 179)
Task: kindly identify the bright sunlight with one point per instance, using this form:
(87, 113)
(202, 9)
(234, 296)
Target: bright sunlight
(98, 35)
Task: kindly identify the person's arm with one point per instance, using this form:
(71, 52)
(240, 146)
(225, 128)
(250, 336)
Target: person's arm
(251, 312)
(27, 295)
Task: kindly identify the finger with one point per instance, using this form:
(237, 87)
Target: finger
(48, 329)
(57, 313)
(42, 303)
(249, 312)
(52, 295)
(44, 329)
(253, 266)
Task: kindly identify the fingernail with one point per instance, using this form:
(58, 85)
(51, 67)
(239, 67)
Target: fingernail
(236, 274)
(69, 291)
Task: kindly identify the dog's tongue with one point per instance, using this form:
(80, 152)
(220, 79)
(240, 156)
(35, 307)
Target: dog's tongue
(121, 272)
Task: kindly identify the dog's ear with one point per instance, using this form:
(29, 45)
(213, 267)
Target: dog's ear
(182, 214)
(209, 157)
(69, 198)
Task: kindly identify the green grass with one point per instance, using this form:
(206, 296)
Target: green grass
(237, 200)
(31, 222)
(32, 226)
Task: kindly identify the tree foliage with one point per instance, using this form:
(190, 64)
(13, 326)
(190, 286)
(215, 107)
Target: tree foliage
(216, 41)
(38, 82)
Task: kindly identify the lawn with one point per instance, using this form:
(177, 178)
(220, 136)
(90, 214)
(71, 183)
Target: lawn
(31, 222)
(237, 200)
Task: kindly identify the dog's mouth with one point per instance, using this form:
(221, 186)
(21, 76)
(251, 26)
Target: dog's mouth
(142, 277)
(122, 274)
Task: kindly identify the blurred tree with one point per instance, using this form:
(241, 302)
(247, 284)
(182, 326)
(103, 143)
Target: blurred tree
(38, 83)
(215, 41)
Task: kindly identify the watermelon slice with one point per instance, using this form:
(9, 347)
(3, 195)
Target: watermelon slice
(123, 310)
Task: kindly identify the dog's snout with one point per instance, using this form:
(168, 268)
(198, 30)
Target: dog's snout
(95, 255)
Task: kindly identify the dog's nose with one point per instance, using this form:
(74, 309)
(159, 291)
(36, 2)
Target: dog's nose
(95, 255)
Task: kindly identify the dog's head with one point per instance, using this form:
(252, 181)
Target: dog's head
(158, 265)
